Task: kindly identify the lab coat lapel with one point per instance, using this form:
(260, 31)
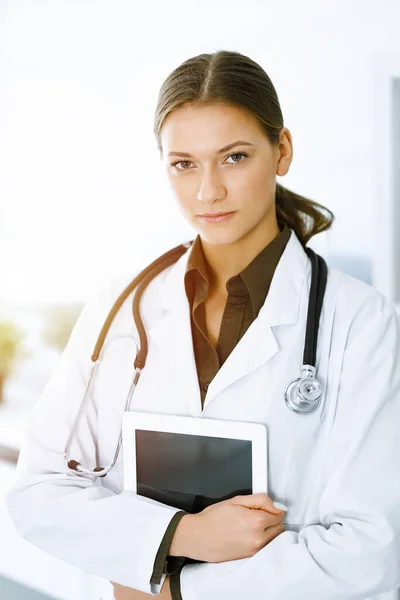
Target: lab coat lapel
(281, 307)
(173, 336)
(256, 347)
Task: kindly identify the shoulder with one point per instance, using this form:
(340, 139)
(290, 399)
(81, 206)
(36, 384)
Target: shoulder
(359, 306)
(356, 293)
(115, 285)
(106, 293)
(111, 289)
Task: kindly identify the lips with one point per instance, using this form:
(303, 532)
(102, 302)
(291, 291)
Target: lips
(220, 214)
(217, 217)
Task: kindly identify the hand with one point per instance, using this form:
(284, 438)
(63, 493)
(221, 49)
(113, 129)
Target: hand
(229, 530)
(126, 593)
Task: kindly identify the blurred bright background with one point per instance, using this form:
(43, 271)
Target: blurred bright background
(83, 196)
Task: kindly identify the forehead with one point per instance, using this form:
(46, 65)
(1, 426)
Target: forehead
(193, 129)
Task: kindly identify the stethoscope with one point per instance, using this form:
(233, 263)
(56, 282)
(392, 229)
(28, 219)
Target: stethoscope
(302, 395)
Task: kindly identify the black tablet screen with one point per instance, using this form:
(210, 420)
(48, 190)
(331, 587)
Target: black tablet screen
(190, 471)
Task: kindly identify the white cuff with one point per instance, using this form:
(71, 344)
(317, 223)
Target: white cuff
(156, 587)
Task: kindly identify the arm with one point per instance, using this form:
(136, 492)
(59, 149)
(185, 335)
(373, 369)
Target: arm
(75, 518)
(354, 552)
(125, 593)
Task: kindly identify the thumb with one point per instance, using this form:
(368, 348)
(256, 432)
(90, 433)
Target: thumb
(258, 501)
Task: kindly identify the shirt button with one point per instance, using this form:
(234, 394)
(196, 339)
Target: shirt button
(205, 387)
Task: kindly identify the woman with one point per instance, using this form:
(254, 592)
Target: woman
(226, 326)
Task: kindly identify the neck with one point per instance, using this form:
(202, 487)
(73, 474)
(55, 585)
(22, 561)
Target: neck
(226, 260)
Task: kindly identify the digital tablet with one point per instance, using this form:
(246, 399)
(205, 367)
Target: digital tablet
(192, 462)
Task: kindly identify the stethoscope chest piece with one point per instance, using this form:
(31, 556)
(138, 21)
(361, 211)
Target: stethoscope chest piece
(303, 395)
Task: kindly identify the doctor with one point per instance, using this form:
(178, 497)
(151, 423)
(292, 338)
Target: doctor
(226, 326)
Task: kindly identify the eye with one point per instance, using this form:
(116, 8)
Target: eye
(188, 162)
(237, 154)
(180, 162)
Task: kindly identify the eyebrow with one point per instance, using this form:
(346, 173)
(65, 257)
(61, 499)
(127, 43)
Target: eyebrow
(224, 149)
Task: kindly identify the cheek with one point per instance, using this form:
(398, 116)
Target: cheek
(256, 189)
(182, 187)
(185, 192)
(258, 179)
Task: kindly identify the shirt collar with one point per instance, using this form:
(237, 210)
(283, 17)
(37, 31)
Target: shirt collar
(254, 280)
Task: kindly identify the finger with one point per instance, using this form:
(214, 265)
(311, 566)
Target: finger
(265, 519)
(281, 506)
(257, 501)
(272, 532)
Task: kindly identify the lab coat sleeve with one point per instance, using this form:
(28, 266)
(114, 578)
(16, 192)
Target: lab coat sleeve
(115, 536)
(163, 562)
(354, 551)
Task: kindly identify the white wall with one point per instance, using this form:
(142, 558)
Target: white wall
(81, 184)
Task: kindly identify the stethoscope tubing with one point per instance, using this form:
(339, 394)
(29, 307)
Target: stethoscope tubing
(141, 281)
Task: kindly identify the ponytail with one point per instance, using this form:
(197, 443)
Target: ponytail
(306, 217)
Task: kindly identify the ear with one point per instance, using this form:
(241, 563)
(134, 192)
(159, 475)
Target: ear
(285, 154)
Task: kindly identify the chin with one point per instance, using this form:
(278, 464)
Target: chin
(216, 238)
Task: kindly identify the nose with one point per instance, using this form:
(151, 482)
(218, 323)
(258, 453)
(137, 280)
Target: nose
(211, 187)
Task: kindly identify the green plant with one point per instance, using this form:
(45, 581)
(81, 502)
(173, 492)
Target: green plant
(60, 321)
(10, 346)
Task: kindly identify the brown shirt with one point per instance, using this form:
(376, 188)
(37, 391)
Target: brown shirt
(247, 292)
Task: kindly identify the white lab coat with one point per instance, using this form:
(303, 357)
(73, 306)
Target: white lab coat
(338, 469)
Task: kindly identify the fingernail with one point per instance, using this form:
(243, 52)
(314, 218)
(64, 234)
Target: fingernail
(280, 506)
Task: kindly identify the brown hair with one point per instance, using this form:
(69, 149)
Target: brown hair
(230, 78)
